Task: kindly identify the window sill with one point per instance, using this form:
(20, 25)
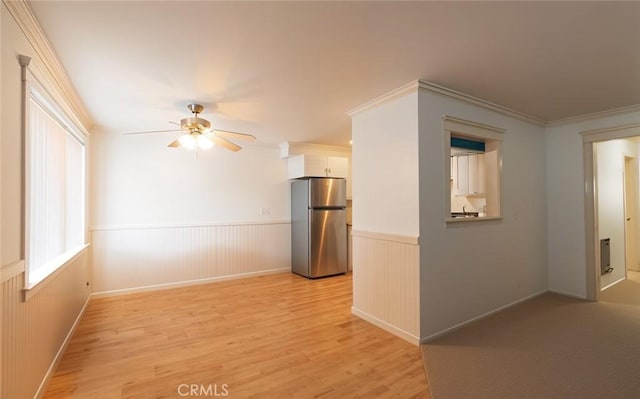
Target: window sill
(472, 219)
(31, 288)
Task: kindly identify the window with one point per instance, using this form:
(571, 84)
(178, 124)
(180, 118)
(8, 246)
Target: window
(55, 187)
(474, 161)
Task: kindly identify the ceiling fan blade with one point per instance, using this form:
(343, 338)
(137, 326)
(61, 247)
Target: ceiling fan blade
(153, 131)
(225, 143)
(174, 123)
(234, 135)
(174, 144)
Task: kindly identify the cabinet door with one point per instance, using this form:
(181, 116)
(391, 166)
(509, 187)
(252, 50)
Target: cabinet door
(337, 167)
(295, 166)
(461, 181)
(315, 166)
(476, 174)
(453, 167)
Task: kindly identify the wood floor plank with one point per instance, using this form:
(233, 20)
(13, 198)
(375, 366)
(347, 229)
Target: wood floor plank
(271, 336)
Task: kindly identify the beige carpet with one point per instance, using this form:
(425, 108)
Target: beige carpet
(625, 292)
(549, 347)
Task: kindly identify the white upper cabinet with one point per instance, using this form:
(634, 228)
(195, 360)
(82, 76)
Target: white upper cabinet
(338, 167)
(467, 172)
(461, 175)
(317, 166)
(476, 174)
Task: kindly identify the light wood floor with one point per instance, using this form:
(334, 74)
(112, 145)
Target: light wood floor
(277, 336)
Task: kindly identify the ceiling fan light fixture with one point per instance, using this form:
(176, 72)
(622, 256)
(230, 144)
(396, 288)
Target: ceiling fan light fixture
(192, 141)
(187, 141)
(203, 142)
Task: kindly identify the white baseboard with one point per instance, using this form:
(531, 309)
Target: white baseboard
(386, 326)
(187, 283)
(431, 337)
(614, 283)
(567, 294)
(56, 360)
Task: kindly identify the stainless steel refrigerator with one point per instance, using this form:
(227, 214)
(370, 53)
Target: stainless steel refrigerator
(318, 227)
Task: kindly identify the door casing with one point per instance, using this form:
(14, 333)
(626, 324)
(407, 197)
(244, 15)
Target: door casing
(592, 249)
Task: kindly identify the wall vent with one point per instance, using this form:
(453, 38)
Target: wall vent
(605, 256)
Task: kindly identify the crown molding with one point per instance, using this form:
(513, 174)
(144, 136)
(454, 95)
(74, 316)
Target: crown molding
(595, 115)
(393, 94)
(59, 81)
(435, 88)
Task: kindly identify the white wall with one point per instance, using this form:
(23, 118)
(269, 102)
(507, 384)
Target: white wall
(565, 211)
(610, 193)
(385, 216)
(470, 269)
(33, 331)
(12, 40)
(566, 202)
(465, 270)
(162, 216)
(1, 262)
(385, 168)
(138, 180)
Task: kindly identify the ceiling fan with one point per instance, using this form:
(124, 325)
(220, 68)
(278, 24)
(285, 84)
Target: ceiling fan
(198, 133)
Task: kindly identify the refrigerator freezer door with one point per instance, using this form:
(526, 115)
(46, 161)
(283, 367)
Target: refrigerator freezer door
(328, 242)
(327, 192)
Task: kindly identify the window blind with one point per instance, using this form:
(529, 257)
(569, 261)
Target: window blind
(56, 191)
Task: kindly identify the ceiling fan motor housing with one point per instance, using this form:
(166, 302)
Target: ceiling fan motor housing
(194, 123)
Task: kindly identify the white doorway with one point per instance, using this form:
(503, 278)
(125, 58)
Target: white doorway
(631, 212)
(611, 197)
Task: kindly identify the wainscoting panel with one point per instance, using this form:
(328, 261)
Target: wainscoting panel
(34, 332)
(138, 258)
(386, 282)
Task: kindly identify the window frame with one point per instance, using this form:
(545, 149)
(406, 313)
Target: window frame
(475, 131)
(34, 86)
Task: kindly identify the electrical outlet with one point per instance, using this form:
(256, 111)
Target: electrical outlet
(265, 211)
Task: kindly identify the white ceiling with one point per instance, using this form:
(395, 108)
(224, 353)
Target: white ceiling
(290, 71)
